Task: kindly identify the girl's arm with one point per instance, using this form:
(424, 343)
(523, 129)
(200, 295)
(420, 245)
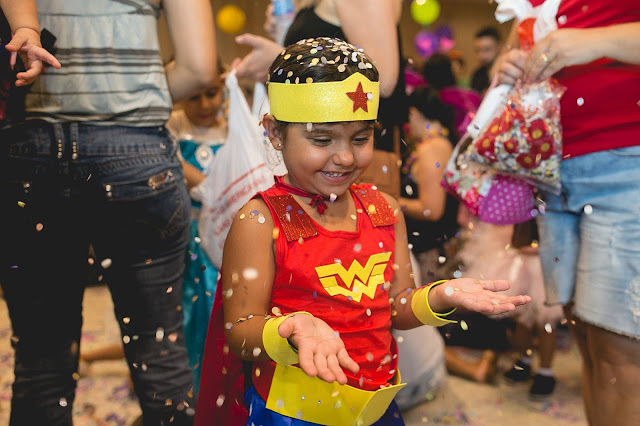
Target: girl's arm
(380, 44)
(248, 273)
(192, 174)
(431, 201)
(468, 293)
(192, 32)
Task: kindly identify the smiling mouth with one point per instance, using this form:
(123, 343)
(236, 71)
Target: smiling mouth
(335, 174)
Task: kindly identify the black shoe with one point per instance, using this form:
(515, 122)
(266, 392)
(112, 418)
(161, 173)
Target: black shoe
(542, 386)
(518, 373)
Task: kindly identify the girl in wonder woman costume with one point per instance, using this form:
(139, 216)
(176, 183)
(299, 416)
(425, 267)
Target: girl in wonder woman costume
(316, 269)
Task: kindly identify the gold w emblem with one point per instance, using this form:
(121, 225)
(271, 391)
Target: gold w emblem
(355, 277)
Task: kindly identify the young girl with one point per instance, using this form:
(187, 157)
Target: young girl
(316, 270)
(201, 128)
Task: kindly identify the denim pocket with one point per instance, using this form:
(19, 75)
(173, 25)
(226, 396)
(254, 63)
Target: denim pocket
(156, 202)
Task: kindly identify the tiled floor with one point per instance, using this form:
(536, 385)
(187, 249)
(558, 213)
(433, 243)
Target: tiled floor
(103, 396)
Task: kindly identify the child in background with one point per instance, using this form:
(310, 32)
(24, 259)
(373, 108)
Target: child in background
(510, 252)
(201, 128)
(316, 270)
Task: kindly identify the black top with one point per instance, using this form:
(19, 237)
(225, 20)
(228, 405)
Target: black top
(425, 235)
(393, 110)
(480, 79)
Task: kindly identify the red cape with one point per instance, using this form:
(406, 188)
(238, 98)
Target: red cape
(221, 395)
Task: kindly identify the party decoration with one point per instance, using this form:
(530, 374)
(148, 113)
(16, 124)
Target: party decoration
(425, 12)
(445, 36)
(230, 19)
(426, 43)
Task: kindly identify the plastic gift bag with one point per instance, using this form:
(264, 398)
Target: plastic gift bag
(493, 197)
(525, 139)
(239, 170)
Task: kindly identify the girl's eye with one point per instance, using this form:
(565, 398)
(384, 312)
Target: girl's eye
(321, 141)
(361, 140)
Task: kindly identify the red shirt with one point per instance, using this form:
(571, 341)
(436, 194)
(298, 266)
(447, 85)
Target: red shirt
(601, 108)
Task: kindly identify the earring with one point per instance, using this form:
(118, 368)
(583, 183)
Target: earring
(279, 145)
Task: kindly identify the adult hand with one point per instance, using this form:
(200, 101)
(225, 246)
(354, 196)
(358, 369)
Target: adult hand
(321, 351)
(512, 66)
(26, 43)
(255, 65)
(560, 49)
(475, 295)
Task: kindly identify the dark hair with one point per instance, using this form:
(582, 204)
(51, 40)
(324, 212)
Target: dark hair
(437, 71)
(317, 60)
(322, 59)
(488, 32)
(427, 100)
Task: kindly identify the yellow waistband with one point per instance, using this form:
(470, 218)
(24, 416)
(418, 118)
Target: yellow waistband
(295, 394)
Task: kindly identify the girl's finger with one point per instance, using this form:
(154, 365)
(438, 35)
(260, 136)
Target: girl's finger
(320, 361)
(305, 359)
(334, 366)
(347, 362)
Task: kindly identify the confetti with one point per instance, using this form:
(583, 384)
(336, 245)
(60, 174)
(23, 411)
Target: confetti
(580, 101)
(588, 209)
(463, 325)
(220, 401)
(250, 274)
(448, 290)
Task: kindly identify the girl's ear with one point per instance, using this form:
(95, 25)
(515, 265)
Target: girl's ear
(274, 133)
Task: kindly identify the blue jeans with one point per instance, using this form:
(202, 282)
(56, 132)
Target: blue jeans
(590, 239)
(122, 190)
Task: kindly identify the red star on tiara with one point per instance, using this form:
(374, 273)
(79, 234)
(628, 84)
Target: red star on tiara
(359, 98)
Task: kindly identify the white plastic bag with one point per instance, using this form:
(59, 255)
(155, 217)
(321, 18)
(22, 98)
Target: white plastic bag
(239, 170)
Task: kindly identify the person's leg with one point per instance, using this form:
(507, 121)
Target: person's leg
(522, 342)
(479, 371)
(43, 265)
(615, 377)
(546, 345)
(606, 193)
(101, 353)
(143, 228)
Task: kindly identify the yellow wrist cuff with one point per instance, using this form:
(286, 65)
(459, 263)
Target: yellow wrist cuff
(422, 310)
(277, 347)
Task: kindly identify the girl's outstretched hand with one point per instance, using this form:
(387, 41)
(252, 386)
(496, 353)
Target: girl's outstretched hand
(321, 351)
(475, 295)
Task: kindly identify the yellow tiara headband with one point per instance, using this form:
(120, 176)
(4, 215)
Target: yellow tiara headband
(356, 98)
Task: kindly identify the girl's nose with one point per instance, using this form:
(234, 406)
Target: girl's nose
(344, 157)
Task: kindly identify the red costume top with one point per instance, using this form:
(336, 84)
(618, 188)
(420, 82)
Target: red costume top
(599, 110)
(338, 276)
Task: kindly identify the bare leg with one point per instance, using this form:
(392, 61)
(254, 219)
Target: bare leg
(578, 328)
(479, 371)
(522, 339)
(106, 352)
(615, 377)
(546, 346)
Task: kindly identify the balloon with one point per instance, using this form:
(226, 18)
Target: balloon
(444, 31)
(426, 43)
(230, 19)
(424, 12)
